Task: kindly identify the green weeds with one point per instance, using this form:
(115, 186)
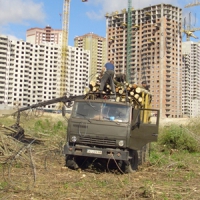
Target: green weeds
(178, 137)
(49, 127)
(3, 185)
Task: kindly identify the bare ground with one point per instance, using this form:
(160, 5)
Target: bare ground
(59, 182)
(38, 172)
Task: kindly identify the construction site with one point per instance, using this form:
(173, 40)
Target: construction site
(146, 46)
(70, 130)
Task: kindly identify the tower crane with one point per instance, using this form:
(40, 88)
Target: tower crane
(190, 31)
(129, 30)
(196, 3)
(64, 47)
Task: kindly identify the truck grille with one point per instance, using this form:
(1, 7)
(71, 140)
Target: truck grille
(98, 141)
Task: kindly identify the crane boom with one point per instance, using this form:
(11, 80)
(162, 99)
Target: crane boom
(196, 3)
(64, 48)
(129, 25)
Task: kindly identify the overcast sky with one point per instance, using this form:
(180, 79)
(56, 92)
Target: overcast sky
(16, 16)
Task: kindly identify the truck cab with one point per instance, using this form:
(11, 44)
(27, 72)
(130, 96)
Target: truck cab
(108, 130)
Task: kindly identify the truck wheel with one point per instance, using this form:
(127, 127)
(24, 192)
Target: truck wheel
(132, 164)
(71, 163)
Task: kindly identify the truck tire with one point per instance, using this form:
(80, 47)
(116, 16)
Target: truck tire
(132, 165)
(71, 163)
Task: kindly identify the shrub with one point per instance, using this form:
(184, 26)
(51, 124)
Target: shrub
(176, 137)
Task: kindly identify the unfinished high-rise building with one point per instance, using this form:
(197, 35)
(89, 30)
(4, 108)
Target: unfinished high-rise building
(191, 79)
(156, 52)
(97, 47)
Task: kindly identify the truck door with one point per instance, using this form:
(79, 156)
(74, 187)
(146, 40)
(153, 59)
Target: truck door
(144, 127)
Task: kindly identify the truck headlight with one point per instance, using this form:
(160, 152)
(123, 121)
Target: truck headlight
(73, 139)
(121, 143)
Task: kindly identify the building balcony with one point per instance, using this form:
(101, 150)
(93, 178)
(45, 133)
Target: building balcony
(169, 52)
(3, 50)
(3, 55)
(2, 70)
(3, 43)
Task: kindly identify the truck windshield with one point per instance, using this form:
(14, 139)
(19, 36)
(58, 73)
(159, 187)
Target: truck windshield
(101, 111)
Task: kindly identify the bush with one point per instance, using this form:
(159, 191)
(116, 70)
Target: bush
(176, 137)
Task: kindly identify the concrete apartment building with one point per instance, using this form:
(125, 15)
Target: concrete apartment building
(97, 47)
(78, 70)
(191, 79)
(30, 73)
(156, 52)
(47, 34)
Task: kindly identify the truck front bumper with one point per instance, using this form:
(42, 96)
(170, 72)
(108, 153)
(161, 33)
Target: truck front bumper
(87, 151)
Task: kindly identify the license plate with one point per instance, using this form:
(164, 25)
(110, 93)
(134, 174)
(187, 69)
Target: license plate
(94, 151)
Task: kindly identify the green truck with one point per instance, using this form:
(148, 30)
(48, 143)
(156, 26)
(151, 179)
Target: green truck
(106, 128)
(110, 130)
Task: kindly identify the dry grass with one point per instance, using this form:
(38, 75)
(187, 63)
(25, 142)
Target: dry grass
(54, 181)
(38, 172)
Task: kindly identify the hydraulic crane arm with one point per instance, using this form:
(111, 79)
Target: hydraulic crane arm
(18, 131)
(63, 99)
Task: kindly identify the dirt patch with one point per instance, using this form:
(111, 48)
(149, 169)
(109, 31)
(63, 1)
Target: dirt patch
(40, 173)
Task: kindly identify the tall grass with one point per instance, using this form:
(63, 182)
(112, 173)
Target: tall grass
(185, 138)
(180, 137)
(177, 146)
(50, 127)
(35, 126)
